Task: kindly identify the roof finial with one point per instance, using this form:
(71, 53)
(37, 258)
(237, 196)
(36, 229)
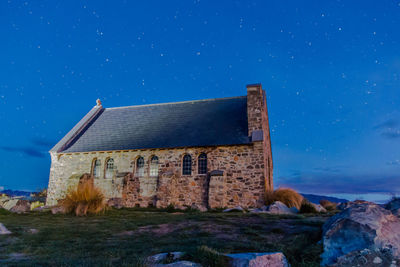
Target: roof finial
(98, 101)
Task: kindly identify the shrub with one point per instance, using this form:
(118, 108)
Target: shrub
(287, 196)
(86, 198)
(307, 207)
(328, 205)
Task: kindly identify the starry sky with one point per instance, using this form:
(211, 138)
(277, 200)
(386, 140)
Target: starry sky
(331, 70)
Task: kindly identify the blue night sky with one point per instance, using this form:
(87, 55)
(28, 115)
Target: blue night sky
(331, 70)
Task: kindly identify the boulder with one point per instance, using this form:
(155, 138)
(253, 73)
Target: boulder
(21, 206)
(362, 225)
(115, 202)
(238, 208)
(4, 230)
(58, 210)
(366, 258)
(394, 206)
(279, 208)
(159, 260)
(180, 264)
(276, 259)
(164, 256)
(319, 208)
(263, 209)
(9, 203)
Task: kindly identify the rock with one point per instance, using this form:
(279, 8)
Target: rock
(294, 210)
(394, 206)
(276, 259)
(361, 225)
(10, 203)
(279, 208)
(238, 208)
(365, 258)
(158, 259)
(4, 230)
(345, 205)
(58, 210)
(42, 208)
(36, 204)
(199, 208)
(377, 260)
(115, 202)
(319, 208)
(21, 206)
(33, 231)
(263, 209)
(164, 256)
(180, 264)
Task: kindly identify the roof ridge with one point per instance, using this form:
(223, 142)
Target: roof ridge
(180, 102)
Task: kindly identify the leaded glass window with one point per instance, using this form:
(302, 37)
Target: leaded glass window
(140, 166)
(202, 163)
(154, 166)
(187, 165)
(110, 168)
(96, 168)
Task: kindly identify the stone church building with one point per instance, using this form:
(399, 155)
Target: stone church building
(211, 153)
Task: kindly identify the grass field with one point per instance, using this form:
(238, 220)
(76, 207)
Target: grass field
(126, 237)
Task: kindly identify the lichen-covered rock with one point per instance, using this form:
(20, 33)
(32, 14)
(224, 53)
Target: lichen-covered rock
(366, 258)
(361, 225)
(21, 206)
(394, 206)
(4, 230)
(276, 259)
(279, 208)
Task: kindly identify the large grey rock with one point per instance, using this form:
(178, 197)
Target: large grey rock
(158, 259)
(366, 258)
(4, 230)
(279, 208)
(276, 259)
(21, 206)
(394, 206)
(238, 208)
(9, 203)
(361, 225)
(164, 256)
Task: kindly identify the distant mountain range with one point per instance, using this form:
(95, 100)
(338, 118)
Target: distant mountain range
(16, 193)
(316, 198)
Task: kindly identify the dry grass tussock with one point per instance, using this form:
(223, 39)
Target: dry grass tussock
(86, 198)
(287, 196)
(328, 205)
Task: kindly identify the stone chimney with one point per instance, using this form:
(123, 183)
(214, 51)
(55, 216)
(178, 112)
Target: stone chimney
(256, 111)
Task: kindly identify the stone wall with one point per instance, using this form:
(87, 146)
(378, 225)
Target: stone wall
(246, 170)
(242, 180)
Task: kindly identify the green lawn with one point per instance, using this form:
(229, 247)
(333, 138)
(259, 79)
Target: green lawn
(126, 237)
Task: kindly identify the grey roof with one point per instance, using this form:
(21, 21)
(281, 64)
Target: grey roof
(184, 124)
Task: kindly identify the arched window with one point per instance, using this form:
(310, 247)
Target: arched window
(109, 168)
(202, 163)
(187, 165)
(140, 166)
(154, 166)
(96, 168)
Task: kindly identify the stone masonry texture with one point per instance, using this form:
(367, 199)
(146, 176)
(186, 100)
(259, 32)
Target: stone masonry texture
(245, 171)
